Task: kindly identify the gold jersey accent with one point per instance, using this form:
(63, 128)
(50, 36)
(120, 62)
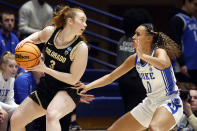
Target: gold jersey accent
(73, 51)
(55, 55)
(63, 46)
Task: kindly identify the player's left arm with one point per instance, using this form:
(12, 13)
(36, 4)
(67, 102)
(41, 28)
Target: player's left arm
(160, 59)
(80, 58)
(38, 37)
(77, 68)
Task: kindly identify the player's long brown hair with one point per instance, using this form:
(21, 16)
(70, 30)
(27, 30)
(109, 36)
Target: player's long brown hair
(61, 16)
(161, 40)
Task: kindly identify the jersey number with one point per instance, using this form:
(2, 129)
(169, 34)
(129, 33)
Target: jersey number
(195, 36)
(52, 65)
(149, 87)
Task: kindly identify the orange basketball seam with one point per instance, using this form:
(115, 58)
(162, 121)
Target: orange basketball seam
(26, 61)
(34, 48)
(29, 53)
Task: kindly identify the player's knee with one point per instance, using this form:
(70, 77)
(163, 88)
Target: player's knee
(52, 114)
(14, 122)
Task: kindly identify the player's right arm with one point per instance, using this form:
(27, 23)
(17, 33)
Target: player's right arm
(38, 37)
(109, 78)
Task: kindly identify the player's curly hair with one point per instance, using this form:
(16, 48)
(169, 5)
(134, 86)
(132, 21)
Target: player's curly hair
(161, 40)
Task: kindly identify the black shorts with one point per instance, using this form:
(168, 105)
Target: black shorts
(43, 95)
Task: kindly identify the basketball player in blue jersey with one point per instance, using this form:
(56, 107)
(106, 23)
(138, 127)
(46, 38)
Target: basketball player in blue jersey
(66, 55)
(183, 30)
(162, 108)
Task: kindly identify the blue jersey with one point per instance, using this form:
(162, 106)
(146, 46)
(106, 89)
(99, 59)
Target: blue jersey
(158, 83)
(23, 86)
(189, 40)
(8, 44)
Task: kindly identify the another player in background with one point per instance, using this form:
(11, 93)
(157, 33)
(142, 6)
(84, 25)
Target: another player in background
(183, 30)
(8, 70)
(162, 108)
(66, 55)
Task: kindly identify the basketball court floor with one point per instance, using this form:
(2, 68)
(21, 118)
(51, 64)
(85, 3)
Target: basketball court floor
(91, 130)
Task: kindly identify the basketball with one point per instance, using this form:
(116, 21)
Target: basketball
(28, 55)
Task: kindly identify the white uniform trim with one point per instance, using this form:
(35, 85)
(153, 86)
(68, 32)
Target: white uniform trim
(7, 95)
(161, 91)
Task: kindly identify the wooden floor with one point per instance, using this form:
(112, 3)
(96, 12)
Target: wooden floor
(90, 130)
(93, 130)
(95, 124)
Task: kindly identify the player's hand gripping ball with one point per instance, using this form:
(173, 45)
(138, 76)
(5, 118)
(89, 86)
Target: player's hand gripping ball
(28, 55)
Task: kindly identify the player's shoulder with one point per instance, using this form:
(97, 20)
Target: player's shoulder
(46, 33)
(49, 30)
(160, 50)
(82, 46)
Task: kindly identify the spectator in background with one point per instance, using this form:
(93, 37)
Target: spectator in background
(8, 40)
(33, 16)
(189, 119)
(183, 30)
(131, 87)
(25, 84)
(8, 70)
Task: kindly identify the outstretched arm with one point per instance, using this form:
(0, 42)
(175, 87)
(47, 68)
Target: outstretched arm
(109, 78)
(160, 60)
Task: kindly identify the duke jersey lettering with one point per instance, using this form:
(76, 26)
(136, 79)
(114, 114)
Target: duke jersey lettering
(59, 59)
(158, 83)
(189, 39)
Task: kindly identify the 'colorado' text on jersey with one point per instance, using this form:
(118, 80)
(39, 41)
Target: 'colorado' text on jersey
(157, 82)
(59, 59)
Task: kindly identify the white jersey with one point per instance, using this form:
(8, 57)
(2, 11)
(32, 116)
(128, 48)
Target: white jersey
(7, 94)
(158, 83)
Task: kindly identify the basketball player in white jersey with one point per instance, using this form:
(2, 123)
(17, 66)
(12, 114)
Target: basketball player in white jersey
(162, 108)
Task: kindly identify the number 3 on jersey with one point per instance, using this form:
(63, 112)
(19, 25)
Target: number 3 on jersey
(52, 65)
(149, 87)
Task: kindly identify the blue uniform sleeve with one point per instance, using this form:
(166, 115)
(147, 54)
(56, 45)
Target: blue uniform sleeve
(14, 41)
(21, 89)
